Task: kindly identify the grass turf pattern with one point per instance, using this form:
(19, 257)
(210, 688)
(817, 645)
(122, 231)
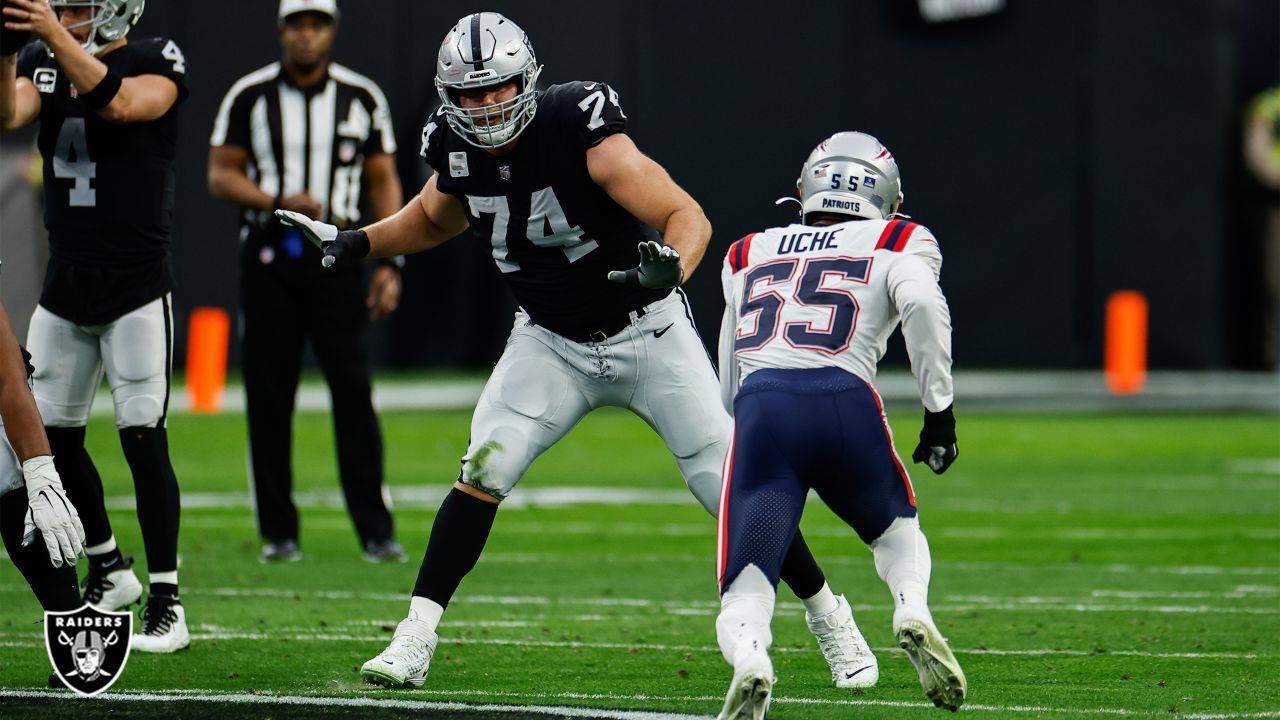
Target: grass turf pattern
(1084, 565)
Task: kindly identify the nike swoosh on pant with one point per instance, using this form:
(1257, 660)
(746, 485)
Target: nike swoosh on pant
(660, 333)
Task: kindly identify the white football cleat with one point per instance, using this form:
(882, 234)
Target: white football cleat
(404, 663)
(940, 674)
(852, 663)
(751, 690)
(112, 588)
(164, 626)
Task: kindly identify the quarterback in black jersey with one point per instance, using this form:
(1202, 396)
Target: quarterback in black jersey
(550, 180)
(108, 114)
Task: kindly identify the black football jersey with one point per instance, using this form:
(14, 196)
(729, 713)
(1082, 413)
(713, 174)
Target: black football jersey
(555, 234)
(109, 188)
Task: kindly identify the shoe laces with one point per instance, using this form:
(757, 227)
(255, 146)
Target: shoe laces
(96, 584)
(407, 640)
(158, 617)
(837, 640)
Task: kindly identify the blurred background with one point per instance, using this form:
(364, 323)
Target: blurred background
(1060, 149)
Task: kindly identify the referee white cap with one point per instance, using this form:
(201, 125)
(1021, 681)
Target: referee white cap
(292, 7)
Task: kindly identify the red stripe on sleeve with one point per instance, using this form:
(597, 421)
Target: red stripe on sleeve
(888, 232)
(739, 252)
(904, 237)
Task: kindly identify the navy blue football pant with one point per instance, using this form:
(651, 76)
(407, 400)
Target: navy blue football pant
(795, 430)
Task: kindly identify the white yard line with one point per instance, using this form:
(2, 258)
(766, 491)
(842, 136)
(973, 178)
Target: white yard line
(429, 497)
(1254, 466)
(574, 712)
(216, 632)
(369, 703)
(960, 603)
(1118, 568)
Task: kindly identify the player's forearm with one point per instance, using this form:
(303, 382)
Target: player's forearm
(688, 231)
(22, 423)
(405, 232)
(926, 329)
(8, 91)
(82, 69)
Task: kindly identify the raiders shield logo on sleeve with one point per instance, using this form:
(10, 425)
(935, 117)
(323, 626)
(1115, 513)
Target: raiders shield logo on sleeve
(88, 647)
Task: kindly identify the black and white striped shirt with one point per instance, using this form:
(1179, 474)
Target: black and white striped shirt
(313, 140)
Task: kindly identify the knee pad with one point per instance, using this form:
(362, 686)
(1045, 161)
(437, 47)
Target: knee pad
(141, 405)
(495, 465)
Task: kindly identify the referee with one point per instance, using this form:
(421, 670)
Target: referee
(308, 135)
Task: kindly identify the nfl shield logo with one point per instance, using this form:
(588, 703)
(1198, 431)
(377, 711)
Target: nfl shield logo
(346, 151)
(504, 172)
(88, 647)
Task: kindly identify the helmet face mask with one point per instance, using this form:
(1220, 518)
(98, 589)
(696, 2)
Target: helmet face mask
(109, 20)
(850, 173)
(486, 50)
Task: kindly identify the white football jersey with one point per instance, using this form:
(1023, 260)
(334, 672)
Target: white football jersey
(807, 297)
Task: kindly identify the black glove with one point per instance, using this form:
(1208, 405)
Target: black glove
(937, 447)
(338, 247)
(659, 268)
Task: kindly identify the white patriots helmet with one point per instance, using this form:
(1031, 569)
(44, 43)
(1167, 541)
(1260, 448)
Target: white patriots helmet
(485, 49)
(110, 21)
(850, 173)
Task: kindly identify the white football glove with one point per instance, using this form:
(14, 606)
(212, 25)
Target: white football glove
(51, 513)
(337, 246)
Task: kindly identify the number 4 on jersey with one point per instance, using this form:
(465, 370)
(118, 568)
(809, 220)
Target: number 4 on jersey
(173, 54)
(71, 161)
(547, 227)
(595, 103)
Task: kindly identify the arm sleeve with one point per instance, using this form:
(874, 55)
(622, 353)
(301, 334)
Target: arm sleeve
(591, 112)
(433, 139)
(728, 332)
(926, 320)
(163, 57)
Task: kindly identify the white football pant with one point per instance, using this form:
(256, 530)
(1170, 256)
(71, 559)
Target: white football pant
(135, 351)
(544, 384)
(10, 468)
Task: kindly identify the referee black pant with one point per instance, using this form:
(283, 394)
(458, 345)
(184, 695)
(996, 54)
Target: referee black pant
(284, 303)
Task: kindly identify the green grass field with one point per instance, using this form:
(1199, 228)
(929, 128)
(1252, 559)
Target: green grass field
(1084, 565)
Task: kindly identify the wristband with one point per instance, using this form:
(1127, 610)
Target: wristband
(360, 246)
(104, 92)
